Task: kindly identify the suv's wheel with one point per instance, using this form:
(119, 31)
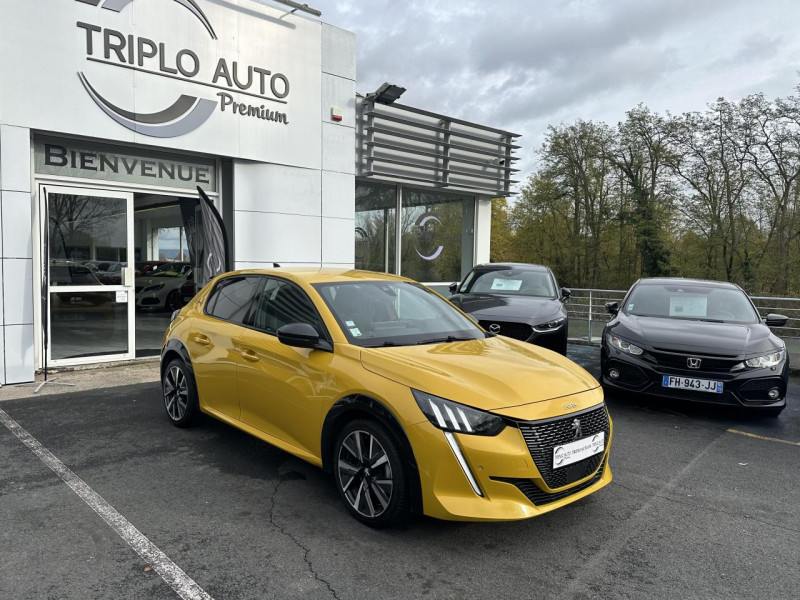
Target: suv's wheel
(370, 474)
(180, 393)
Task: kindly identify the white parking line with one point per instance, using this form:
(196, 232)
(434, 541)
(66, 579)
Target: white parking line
(171, 573)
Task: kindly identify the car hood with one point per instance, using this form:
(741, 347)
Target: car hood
(697, 336)
(490, 374)
(491, 306)
(170, 282)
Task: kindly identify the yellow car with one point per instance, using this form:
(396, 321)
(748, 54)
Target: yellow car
(383, 383)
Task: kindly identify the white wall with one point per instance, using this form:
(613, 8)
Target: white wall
(299, 216)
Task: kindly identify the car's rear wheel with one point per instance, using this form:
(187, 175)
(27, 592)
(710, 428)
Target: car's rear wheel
(180, 393)
(370, 474)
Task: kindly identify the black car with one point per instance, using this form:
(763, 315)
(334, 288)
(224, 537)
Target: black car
(520, 301)
(695, 340)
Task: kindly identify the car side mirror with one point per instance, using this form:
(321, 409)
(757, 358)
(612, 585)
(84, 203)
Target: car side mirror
(774, 320)
(612, 308)
(566, 294)
(453, 288)
(298, 335)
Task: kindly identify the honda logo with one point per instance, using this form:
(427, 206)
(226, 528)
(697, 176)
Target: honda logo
(693, 363)
(494, 328)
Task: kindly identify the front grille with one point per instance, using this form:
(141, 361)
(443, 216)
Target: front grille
(539, 497)
(518, 331)
(543, 436)
(678, 360)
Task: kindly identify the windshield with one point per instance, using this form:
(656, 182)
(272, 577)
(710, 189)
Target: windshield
(511, 281)
(394, 313)
(692, 302)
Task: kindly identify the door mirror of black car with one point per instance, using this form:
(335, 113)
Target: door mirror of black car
(774, 320)
(299, 335)
(453, 287)
(566, 294)
(612, 308)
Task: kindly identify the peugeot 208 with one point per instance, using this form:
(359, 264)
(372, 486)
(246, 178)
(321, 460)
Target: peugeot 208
(403, 398)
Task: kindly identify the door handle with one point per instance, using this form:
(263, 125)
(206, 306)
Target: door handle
(200, 339)
(248, 354)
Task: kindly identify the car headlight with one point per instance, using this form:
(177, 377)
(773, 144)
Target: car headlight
(768, 360)
(621, 344)
(455, 417)
(550, 325)
(154, 288)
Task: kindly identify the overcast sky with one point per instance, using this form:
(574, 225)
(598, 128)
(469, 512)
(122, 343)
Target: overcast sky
(521, 65)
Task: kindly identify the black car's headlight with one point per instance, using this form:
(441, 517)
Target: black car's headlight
(550, 325)
(452, 416)
(624, 345)
(773, 359)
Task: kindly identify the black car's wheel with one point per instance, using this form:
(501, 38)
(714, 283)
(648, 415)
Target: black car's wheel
(370, 474)
(173, 301)
(180, 394)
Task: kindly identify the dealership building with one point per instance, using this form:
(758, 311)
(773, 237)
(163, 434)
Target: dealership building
(114, 112)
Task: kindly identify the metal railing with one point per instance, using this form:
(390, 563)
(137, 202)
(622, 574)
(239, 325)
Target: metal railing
(588, 315)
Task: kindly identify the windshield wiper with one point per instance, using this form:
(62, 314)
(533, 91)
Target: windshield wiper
(707, 320)
(445, 340)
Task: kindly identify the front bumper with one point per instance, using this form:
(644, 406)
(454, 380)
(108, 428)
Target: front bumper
(746, 388)
(511, 485)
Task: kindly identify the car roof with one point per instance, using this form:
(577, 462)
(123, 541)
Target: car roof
(528, 266)
(322, 274)
(684, 280)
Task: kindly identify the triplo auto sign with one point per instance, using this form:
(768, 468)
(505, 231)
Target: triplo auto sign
(266, 91)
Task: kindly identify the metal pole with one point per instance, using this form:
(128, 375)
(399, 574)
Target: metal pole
(590, 316)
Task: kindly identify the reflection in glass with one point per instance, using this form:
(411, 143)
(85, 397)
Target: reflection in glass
(437, 235)
(87, 324)
(90, 232)
(376, 208)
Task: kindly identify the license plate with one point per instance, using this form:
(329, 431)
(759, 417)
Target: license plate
(692, 383)
(566, 454)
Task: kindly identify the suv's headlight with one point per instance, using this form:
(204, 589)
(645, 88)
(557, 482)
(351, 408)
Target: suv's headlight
(549, 326)
(621, 344)
(452, 416)
(768, 360)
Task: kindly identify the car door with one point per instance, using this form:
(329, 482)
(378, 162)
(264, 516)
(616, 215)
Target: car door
(282, 388)
(212, 342)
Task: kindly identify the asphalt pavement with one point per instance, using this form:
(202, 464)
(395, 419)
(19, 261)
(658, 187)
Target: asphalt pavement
(694, 511)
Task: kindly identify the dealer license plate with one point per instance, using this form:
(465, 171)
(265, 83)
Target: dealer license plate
(566, 454)
(691, 383)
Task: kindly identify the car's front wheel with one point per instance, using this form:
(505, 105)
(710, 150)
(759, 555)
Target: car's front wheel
(180, 393)
(370, 474)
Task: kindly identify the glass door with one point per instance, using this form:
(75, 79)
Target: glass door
(90, 296)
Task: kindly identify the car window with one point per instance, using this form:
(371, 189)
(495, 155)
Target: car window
(282, 302)
(231, 298)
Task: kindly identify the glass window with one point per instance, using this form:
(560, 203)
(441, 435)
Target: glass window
(230, 300)
(437, 235)
(691, 301)
(281, 303)
(510, 280)
(394, 313)
(376, 208)
(171, 244)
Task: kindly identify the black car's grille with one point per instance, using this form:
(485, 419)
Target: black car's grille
(518, 331)
(715, 363)
(539, 497)
(543, 436)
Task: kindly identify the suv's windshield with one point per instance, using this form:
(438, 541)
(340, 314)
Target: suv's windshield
(691, 301)
(394, 313)
(509, 280)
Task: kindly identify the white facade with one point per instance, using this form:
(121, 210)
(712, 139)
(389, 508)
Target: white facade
(167, 75)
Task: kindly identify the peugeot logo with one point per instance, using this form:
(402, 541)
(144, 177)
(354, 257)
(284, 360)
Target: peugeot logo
(577, 430)
(494, 328)
(693, 363)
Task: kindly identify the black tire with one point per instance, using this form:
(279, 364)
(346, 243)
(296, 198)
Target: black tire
(173, 301)
(367, 491)
(180, 394)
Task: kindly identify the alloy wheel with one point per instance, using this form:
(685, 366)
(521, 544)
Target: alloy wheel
(176, 393)
(365, 474)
